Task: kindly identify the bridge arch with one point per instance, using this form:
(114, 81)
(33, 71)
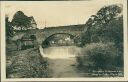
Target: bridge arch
(58, 37)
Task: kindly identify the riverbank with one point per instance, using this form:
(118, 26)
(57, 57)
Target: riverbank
(26, 64)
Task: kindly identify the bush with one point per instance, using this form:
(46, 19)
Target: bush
(99, 56)
(28, 64)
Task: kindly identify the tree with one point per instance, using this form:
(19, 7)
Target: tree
(21, 20)
(9, 28)
(107, 13)
(99, 24)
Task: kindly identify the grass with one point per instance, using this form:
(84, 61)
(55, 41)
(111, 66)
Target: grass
(26, 64)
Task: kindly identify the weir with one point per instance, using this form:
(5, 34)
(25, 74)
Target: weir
(62, 52)
(61, 60)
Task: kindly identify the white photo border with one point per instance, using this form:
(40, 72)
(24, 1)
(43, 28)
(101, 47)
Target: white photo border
(3, 52)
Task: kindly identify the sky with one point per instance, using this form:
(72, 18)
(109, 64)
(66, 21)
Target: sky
(58, 13)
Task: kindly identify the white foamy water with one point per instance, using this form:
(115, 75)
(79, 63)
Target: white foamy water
(63, 52)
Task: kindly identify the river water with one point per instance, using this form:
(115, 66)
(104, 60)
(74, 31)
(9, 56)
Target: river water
(62, 60)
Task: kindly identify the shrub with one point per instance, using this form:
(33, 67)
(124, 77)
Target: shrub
(98, 55)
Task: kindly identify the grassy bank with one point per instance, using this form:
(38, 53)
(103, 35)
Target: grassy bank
(26, 64)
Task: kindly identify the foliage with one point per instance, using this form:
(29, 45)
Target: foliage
(26, 64)
(21, 20)
(102, 41)
(103, 25)
(99, 56)
(106, 26)
(9, 28)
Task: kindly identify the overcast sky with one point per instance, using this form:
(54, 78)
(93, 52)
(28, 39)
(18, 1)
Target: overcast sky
(58, 13)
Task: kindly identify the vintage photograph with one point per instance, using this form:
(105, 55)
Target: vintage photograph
(82, 39)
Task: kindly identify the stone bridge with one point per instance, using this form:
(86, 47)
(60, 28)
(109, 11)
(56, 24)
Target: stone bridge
(74, 30)
(43, 34)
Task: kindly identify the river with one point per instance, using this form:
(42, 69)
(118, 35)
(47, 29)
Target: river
(62, 61)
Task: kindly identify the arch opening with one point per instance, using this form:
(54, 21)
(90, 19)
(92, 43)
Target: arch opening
(58, 39)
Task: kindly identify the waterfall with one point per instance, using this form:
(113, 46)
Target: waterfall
(62, 52)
